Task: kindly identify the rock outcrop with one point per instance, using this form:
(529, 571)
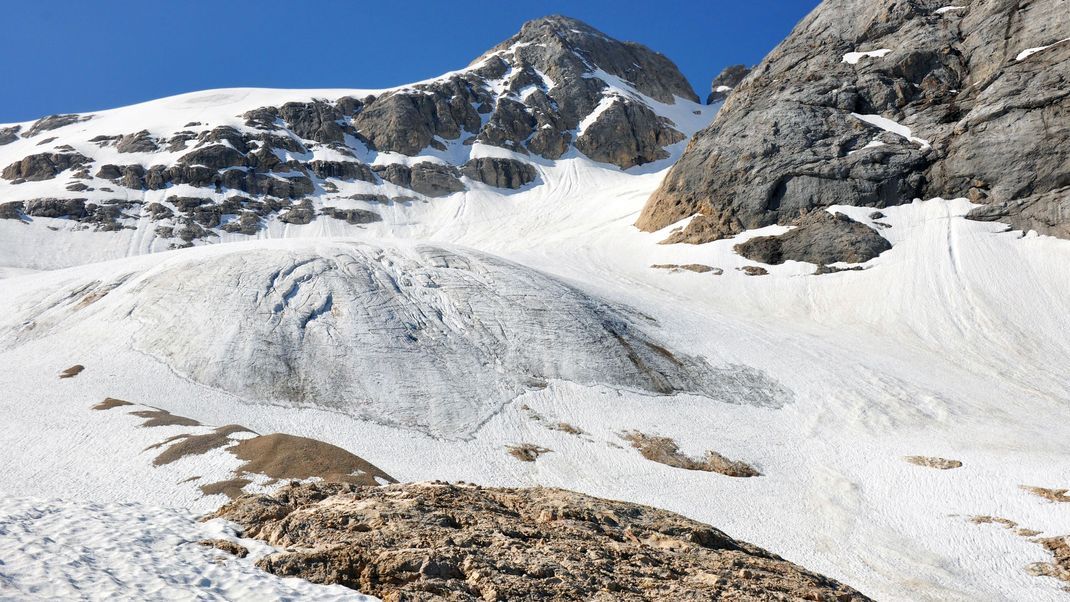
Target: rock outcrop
(425, 541)
(725, 82)
(502, 173)
(878, 103)
(1046, 213)
(43, 166)
(818, 237)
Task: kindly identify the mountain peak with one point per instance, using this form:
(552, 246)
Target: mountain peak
(567, 48)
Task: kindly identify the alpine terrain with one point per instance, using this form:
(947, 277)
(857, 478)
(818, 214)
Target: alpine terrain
(549, 327)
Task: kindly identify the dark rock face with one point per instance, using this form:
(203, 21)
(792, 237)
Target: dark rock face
(43, 166)
(627, 134)
(342, 170)
(74, 208)
(425, 541)
(431, 179)
(315, 120)
(501, 173)
(141, 142)
(407, 122)
(11, 210)
(818, 237)
(724, 83)
(353, 216)
(787, 139)
(534, 117)
(9, 134)
(53, 122)
(247, 223)
(216, 156)
(299, 214)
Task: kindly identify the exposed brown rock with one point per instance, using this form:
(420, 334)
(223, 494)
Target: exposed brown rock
(754, 270)
(73, 371)
(232, 488)
(1059, 567)
(157, 417)
(526, 452)
(227, 546)
(690, 267)
(1054, 495)
(933, 462)
(181, 446)
(425, 541)
(281, 456)
(111, 402)
(664, 450)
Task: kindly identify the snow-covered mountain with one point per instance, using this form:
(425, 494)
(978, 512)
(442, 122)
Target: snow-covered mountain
(444, 279)
(228, 165)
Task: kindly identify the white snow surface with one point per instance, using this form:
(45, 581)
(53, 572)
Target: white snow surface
(852, 58)
(950, 344)
(889, 125)
(1028, 52)
(64, 550)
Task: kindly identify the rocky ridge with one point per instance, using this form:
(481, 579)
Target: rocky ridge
(438, 541)
(558, 86)
(876, 104)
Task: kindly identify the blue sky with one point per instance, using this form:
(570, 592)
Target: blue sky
(74, 56)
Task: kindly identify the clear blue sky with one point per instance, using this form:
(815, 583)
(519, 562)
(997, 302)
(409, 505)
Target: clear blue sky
(73, 55)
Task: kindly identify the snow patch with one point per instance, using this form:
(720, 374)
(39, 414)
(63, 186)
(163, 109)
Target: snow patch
(891, 126)
(852, 58)
(1028, 52)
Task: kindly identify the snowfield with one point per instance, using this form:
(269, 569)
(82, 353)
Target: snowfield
(952, 344)
(59, 550)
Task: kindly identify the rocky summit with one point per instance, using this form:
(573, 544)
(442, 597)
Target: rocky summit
(879, 103)
(437, 541)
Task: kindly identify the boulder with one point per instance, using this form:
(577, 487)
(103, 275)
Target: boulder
(818, 237)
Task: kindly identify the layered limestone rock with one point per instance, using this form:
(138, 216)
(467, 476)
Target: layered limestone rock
(424, 541)
(878, 103)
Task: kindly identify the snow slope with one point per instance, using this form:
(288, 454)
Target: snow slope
(951, 344)
(895, 360)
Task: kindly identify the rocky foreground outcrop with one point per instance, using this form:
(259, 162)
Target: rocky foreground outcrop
(433, 541)
(878, 103)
